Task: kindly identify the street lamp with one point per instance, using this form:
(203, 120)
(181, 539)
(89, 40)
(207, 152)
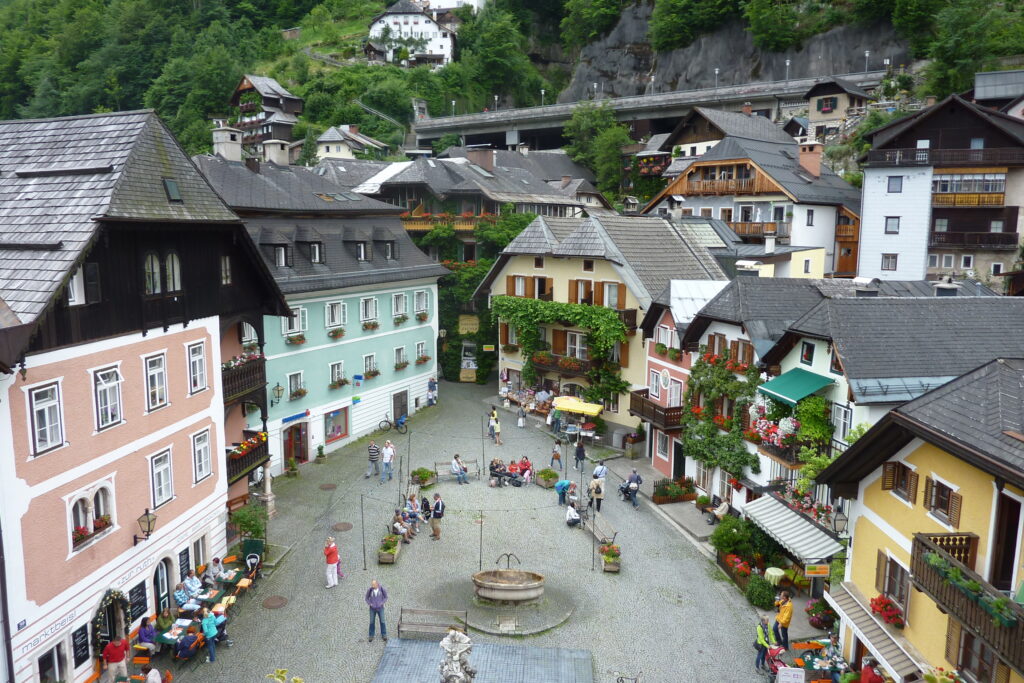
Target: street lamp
(787, 71)
(839, 522)
(495, 103)
(867, 53)
(147, 523)
(278, 392)
(542, 91)
(453, 107)
(716, 79)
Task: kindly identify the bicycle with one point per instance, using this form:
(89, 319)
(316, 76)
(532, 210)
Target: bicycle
(400, 424)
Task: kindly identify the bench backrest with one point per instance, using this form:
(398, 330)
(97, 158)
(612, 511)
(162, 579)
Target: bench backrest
(461, 615)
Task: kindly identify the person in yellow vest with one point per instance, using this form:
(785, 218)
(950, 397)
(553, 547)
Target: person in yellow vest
(784, 607)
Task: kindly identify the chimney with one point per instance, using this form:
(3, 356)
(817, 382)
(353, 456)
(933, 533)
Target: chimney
(227, 143)
(810, 157)
(747, 109)
(929, 101)
(566, 179)
(484, 158)
(253, 164)
(769, 244)
(946, 288)
(524, 149)
(275, 152)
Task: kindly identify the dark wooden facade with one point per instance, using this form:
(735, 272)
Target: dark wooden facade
(952, 126)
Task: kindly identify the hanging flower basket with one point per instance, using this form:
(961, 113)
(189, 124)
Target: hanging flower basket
(336, 332)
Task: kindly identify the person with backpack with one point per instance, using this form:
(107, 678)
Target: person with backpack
(765, 637)
(596, 491)
(633, 487)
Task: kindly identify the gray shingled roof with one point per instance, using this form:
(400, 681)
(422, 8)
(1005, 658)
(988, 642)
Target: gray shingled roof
(781, 162)
(999, 85)
(738, 124)
(882, 135)
(113, 167)
(584, 241)
(844, 85)
(269, 87)
(284, 188)
(545, 164)
(356, 140)
(341, 268)
(348, 173)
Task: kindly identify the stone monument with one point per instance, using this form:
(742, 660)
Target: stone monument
(455, 667)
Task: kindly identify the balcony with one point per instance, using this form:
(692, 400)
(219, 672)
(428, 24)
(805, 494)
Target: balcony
(246, 107)
(988, 614)
(244, 379)
(846, 232)
(424, 223)
(786, 454)
(974, 240)
(968, 199)
(241, 465)
(628, 318)
(748, 229)
(936, 157)
(727, 186)
(563, 365)
(659, 416)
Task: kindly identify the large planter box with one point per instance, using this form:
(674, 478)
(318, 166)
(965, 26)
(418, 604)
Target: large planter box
(546, 483)
(388, 558)
(664, 500)
(429, 482)
(611, 567)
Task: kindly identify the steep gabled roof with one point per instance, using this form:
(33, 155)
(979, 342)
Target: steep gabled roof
(536, 238)
(353, 138)
(552, 164)
(401, 7)
(1009, 125)
(268, 87)
(349, 173)
(586, 241)
(740, 125)
(844, 85)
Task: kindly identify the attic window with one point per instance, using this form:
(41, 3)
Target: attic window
(280, 256)
(588, 265)
(389, 250)
(316, 252)
(361, 251)
(171, 188)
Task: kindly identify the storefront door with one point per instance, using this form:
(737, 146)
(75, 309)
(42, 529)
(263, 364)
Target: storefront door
(399, 404)
(295, 443)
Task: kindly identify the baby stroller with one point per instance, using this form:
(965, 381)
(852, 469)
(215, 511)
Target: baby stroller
(774, 661)
(254, 566)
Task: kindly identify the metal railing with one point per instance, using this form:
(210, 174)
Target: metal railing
(935, 157)
(990, 240)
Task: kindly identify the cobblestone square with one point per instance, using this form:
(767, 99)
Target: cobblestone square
(669, 613)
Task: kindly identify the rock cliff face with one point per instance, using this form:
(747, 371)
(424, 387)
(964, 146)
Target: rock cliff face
(623, 63)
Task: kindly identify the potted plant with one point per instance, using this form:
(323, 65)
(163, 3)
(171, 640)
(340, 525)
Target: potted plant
(510, 348)
(421, 360)
(889, 612)
(336, 332)
(422, 316)
(543, 358)
(547, 478)
(389, 547)
(295, 339)
(611, 557)
(296, 394)
(424, 477)
(400, 319)
(370, 374)
(371, 325)
(660, 349)
(293, 467)
(401, 365)
(321, 457)
(820, 614)
(1000, 609)
(338, 383)
(674, 354)
(569, 363)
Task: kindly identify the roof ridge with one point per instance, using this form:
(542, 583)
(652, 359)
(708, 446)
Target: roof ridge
(77, 117)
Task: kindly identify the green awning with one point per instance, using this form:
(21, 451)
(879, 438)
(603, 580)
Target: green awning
(790, 387)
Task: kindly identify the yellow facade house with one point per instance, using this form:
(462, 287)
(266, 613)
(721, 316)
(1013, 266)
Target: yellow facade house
(936, 489)
(617, 263)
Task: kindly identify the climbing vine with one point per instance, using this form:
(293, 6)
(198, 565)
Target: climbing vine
(605, 329)
(713, 439)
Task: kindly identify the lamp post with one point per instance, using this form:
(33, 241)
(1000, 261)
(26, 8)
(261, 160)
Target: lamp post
(495, 103)
(716, 80)
(542, 91)
(278, 392)
(453, 107)
(867, 53)
(787, 71)
(147, 523)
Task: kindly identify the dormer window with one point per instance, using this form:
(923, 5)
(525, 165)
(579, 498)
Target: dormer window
(171, 188)
(361, 251)
(280, 256)
(389, 250)
(316, 252)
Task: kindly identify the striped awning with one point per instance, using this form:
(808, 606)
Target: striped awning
(808, 541)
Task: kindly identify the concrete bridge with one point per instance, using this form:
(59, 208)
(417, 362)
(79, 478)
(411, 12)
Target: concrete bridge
(541, 127)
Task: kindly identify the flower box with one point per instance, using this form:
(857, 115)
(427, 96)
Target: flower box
(611, 566)
(402, 365)
(250, 347)
(510, 348)
(247, 445)
(295, 339)
(421, 360)
(422, 316)
(570, 363)
(371, 325)
(370, 374)
(336, 332)
(423, 479)
(338, 383)
(660, 349)
(400, 319)
(298, 393)
(389, 549)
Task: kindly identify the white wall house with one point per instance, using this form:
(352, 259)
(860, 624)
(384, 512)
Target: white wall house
(405, 20)
(895, 221)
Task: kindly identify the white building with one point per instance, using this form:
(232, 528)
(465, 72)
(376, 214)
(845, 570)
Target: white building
(405, 25)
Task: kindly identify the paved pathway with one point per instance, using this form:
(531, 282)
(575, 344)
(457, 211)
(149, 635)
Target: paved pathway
(670, 612)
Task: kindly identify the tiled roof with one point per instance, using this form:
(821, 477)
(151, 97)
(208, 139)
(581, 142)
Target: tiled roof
(1009, 125)
(60, 177)
(269, 87)
(586, 241)
(345, 134)
(844, 85)
(283, 188)
(738, 124)
(348, 173)
(546, 164)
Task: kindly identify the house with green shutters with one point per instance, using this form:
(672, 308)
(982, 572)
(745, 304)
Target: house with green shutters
(361, 339)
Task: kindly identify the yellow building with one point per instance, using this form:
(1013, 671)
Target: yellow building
(616, 262)
(936, 489)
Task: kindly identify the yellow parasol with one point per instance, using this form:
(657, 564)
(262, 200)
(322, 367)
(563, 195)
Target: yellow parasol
(571, 404)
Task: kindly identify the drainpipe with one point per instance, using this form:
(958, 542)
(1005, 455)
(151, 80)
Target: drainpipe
(5, 616)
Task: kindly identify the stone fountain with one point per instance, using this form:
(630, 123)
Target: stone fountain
(508, 585)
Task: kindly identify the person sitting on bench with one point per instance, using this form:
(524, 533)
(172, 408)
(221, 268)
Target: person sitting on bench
(718, 513)
(499, 473)
(400, 527)
(186, 647)
(572, 518)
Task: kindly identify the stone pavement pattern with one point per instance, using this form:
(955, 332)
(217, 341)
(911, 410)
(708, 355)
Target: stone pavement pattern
(670, 612)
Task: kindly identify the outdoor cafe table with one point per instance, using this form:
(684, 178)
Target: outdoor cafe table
(774, 575)
(164, 637)
(211, 596)
(236, 576)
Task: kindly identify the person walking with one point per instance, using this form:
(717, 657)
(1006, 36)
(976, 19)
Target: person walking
(459, 470)
(436, 514)
(633, 487)
(376, 598)
(581, 454)
(765, 637)
(562, 488)
(596, 491)
(114, 656)
(387, 457)
(784, 607)
(497, 431)
(374, 450)
(331, 556)
(521, 415)
(601, 471)
(556, 454)
(209, 626)
(432, 391)
(492, 417)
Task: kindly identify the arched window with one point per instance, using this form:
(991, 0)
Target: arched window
(152, 271)
(172, 268)
(101, 503)
(80, 514)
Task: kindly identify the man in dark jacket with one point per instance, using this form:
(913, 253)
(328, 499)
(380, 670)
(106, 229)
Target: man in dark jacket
(376, 597)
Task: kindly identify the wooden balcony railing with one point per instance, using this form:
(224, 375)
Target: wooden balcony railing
(662, 417)
(746, 228)
(555, 363)
(242, 465)
(933, 556)
(239, 381)
(980, 240)
(968, 198)
(730, 186)
(628, 317)
(424, 223)
(936, 157)
(846, 232)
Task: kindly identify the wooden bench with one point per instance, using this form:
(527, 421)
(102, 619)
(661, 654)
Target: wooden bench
(431, 621)
(442, 469)
(602, 529)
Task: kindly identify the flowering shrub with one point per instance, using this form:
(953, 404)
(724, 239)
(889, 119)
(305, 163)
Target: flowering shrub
(296, 394)
(610, 552)
(247, 445)
(751, 435)
(404, 214)
(697, 410)
(890, 613)
(722, 422)
(466, 214)
(805, 502)
(370, 374)
(820, 614)
(740, 566)
(735, 483)
(781, 434)
(239, 361)
(736, 367)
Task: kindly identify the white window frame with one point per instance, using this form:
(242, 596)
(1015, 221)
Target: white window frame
(316, 252)
(360, 251)
(421, 301)
(202, 465)
(151, 373)
(372, 365)
(197, 379)
(225, 269)
(609, 288)
(662, 452)
(389, 251)
(941, 225)
(400, 355)
(152, 281)
(281, 256)
(297, 322)
(611, 404)
(654, 384)
(520, 285)
(702, 476)
(421, 349)
(335, 314)
(336, 370)
(112, 391)
(895, 261)
(301, 384)
(842, 419)
(155, 475)
(992, 225)
(947, 260)
(996, 268)
(76, 289)
(56, 406)
(363, 313)
(576, 345)
(513, 334)
(172, 272)
(249, 335)
(933, 260)
(967, 260)
(892, 225)
(399, 304)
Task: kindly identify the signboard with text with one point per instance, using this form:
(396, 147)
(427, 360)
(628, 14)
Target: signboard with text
(813, 570)
(790, 674)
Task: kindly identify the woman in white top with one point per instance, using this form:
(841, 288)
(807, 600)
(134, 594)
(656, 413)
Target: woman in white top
(572, 518)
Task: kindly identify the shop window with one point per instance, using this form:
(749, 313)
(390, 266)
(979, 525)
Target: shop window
(336, 425)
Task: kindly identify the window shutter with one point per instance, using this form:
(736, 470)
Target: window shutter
(588, 291)
(952, 641)
(503, 333)
(530, 289)
(745, 416)
(880, 567)
(289, 256)
(558, 342)
(624, 354)
(92, 283)
(748, 353)
(599, 295)
(510, 285)
(734, 350)
(929, 491)
(912, 478)
(549, 286)
(573, 292)
(888, 476)
(720, 345)
(622, 296)
(956, 501)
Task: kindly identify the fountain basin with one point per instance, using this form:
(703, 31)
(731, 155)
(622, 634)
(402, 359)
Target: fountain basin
(508, 585)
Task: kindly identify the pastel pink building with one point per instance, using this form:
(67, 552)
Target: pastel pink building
(124, 286)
